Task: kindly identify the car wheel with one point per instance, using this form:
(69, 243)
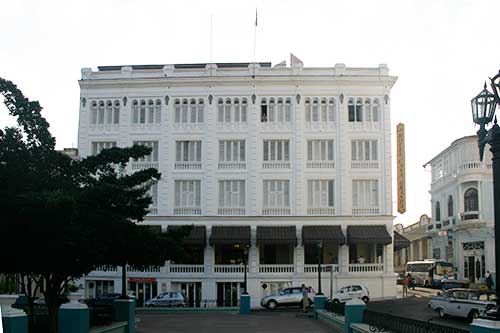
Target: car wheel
(441, 313)
(365, 299)
(272, 304)
(474, 314)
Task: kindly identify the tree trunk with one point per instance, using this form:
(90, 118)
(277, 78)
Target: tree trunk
(52, 293)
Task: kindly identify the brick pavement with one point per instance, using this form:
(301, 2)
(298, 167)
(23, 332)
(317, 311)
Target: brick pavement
(228, 322)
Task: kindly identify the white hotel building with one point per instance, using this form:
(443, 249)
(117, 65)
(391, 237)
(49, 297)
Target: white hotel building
(273, 159)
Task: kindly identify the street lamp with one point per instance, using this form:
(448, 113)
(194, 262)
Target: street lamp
(483, 112)
(245, 262)
(320, 255)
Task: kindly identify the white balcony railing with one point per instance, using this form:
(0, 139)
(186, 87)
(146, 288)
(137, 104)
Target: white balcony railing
(366, 268)
(275, 211)
(321, 211)
(152, 211)
(232, 165)
(365, 211)
(144, 165)
(229, 269)
(364, 164)
(470, 165)
(187, 211)
(276, 268)
(150, 269)
(231, 211)
(187, 165)
(324, 268)
(186, 269)
(106, 268)
(276, 165)
(471, 215)
(320, 164)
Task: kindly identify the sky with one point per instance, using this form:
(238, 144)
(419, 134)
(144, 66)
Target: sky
(441, 51)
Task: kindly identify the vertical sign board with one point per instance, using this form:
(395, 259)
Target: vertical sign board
(401, 178)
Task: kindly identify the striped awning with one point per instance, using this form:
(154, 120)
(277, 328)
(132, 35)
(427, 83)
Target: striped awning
(230, 235)
(197, 236)
(323, 233)
(276, 235)
(400, 241)
(371, 234)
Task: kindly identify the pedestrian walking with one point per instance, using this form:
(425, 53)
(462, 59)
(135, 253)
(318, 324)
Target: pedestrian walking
(488, 280)
(305, 298)
(405, 283)
(411, 281)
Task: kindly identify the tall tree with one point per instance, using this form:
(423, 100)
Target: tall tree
(61, 217)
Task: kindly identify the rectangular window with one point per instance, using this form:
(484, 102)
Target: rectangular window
(320, 150)
(192, 112)
(276, 193)
(153, 157)
(231, 194)
(97, 147)
(276, 150)
(187, 194)
(365, 195)
(231, 150)
(364, 150)
(188, 151)
(320, 194)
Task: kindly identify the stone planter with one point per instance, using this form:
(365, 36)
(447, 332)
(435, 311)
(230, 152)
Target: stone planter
(6, 302)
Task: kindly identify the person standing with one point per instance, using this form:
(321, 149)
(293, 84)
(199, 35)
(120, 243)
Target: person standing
(305, 298)
(488, 280)
(405, 285)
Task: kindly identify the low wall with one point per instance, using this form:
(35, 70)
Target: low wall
(116, 327)
(335, 321)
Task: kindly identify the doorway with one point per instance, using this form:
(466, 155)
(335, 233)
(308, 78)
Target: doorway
(228, 294)
(143, 291)
(192, 293)
(474, 261)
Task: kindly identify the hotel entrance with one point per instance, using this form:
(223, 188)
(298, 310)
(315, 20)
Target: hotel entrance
(144, 289)
(228, 294)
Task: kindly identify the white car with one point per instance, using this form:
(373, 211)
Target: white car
(466, 303)
(349, 292)
(169, 299)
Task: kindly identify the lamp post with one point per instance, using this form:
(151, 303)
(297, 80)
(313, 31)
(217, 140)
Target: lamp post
(245, 262)
(320, 255)
(483, 112)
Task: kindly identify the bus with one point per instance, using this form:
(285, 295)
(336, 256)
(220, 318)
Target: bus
(421, 272)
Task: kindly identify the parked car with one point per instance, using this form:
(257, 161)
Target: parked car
(102, 300)
(170, 299)
(350, 292)
(286, 297)
(466, 303)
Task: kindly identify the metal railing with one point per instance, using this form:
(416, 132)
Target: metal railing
(390, 323)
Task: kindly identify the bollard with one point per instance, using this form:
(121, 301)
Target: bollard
(484, 326)
(74, 317)
(354, 310)
(13, 320)
(245, 304)
(319, 304)
(125, 311)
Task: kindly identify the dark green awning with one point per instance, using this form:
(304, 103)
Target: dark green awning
(323, 233)
(372, 234)
(230, 235)
(400, 241)
(197, 236)
(277, 235)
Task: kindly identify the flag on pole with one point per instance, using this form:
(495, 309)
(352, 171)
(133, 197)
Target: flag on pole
(255, 16)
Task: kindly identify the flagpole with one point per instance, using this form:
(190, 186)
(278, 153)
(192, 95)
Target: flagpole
(254, 43)
(211, 37)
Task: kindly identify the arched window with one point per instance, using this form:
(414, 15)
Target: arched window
(158, 111)
(280, 110)
(116, 112)
(359, 110)
(315, 110)
(100, 119)
(93, 119)
(288, 110)
(227, 111)
(324, 114)
(142, 112)
(220, 110)
(151, 112)
(244, 105)
(109, 113)
(236, 107)
(308, 110)
(375, 109)
(201, 110)
(438, 212)
(263, 110)
(135, 111)
(271, 112)
(184, 111)
(450, 206)
(471, 202)
(350, 108)
(177, 116)
(368, 109)
(331, 110)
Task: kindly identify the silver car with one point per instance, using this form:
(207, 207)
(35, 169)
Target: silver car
(286, 297)
(170, 299)
(466, 303)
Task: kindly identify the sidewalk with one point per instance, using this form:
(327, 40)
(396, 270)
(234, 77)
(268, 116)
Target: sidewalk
(418, 291)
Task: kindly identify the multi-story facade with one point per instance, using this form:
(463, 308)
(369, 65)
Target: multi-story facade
(419, 246)
(266, 160)
(462, 209)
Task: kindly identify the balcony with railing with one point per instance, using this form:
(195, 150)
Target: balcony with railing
(320, 164)
(364, 164)
(365, 211)
(187, 211)
(321, 211)
(366, 268)
(106, 268)
(324, 268)
(471, 215)
(141, 165)
(275, 211)
(276, 165)
(229, 269)
(146, 270)
(187, 165)
(231, 211)
(232, 166)
(275, 269)
(186, 269)
(152, 211)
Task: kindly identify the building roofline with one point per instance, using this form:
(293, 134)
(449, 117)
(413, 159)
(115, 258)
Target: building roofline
(454, 143)
(184, 66)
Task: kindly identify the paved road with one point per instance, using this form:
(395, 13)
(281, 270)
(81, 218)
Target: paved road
(415, 307)
(226, 322)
